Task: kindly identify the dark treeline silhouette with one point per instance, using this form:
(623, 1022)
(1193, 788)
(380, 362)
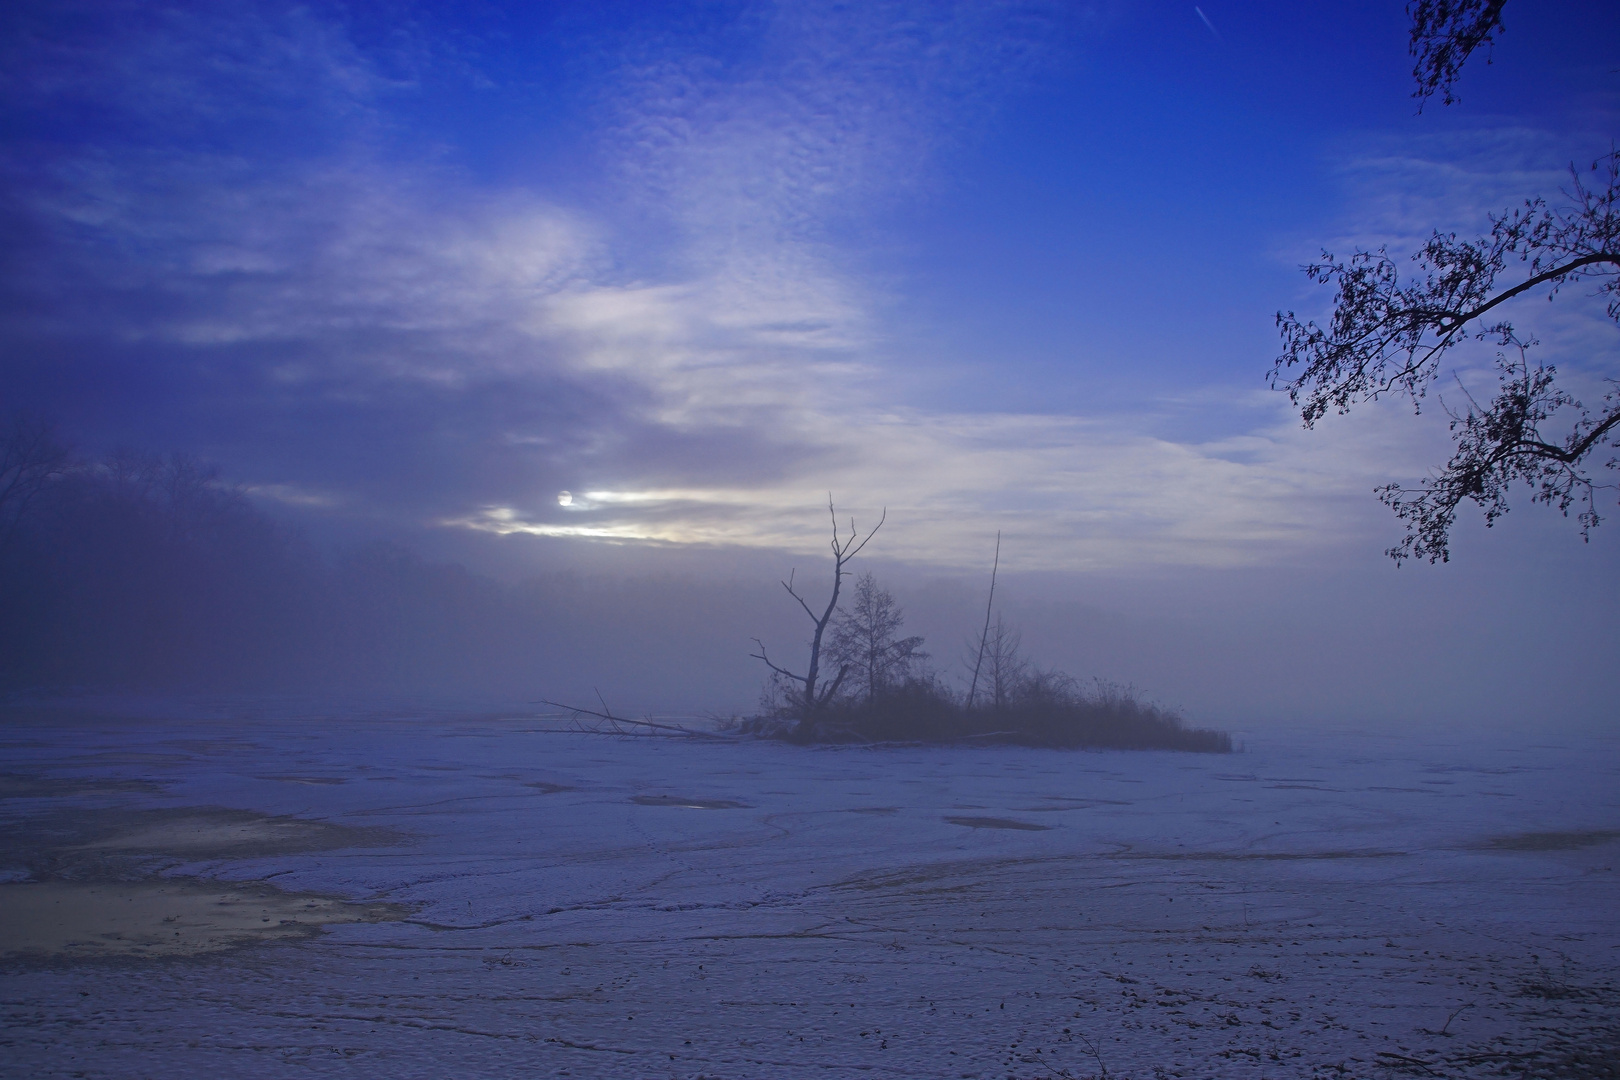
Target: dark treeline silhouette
(149, 572)
(152, 573)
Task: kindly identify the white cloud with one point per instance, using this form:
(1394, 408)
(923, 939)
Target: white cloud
(1070, 492)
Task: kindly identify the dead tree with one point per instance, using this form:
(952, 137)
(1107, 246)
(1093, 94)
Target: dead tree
(811, 695)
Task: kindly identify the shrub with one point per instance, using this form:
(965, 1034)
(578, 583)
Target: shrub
(1048, 709)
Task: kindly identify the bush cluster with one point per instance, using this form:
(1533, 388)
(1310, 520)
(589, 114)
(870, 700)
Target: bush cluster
(1058, 713)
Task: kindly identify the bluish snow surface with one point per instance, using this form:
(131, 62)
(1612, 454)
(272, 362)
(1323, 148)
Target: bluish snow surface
(1315, 905)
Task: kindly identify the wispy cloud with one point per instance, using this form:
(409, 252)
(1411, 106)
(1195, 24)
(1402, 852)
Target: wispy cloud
(1399, 190)
(409, 342)
(1078, 493)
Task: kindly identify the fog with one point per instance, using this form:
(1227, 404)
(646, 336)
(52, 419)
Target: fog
(402, 281)
(155, 574)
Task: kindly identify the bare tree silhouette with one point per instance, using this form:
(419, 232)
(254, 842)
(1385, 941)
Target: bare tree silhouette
(808, 699)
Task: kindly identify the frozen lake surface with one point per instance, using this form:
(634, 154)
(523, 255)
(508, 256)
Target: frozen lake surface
(542, 904)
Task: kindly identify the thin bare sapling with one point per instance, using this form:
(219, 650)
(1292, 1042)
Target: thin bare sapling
(984, 635)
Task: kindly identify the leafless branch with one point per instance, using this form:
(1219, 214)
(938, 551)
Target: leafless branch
(788, 585)
(779, 670)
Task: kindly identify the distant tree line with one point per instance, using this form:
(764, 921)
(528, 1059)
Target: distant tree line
(147, 572)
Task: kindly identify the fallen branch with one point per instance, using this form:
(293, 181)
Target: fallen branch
(1409, 1062)
(591, 731)
(675, 729)
(1446, 1026)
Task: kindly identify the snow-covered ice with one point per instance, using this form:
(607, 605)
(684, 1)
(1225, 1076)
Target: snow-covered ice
(1316, 905)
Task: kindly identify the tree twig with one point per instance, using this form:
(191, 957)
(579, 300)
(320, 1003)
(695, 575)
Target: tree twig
(1456, 1013)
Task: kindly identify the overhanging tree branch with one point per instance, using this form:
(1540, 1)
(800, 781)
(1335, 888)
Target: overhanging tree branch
(1444, 34)
(1388, 335)
(1453, 321)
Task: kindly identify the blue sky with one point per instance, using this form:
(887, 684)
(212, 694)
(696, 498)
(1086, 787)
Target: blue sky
(418, 269)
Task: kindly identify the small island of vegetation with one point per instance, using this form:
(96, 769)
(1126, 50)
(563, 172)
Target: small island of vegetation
(866, 682)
